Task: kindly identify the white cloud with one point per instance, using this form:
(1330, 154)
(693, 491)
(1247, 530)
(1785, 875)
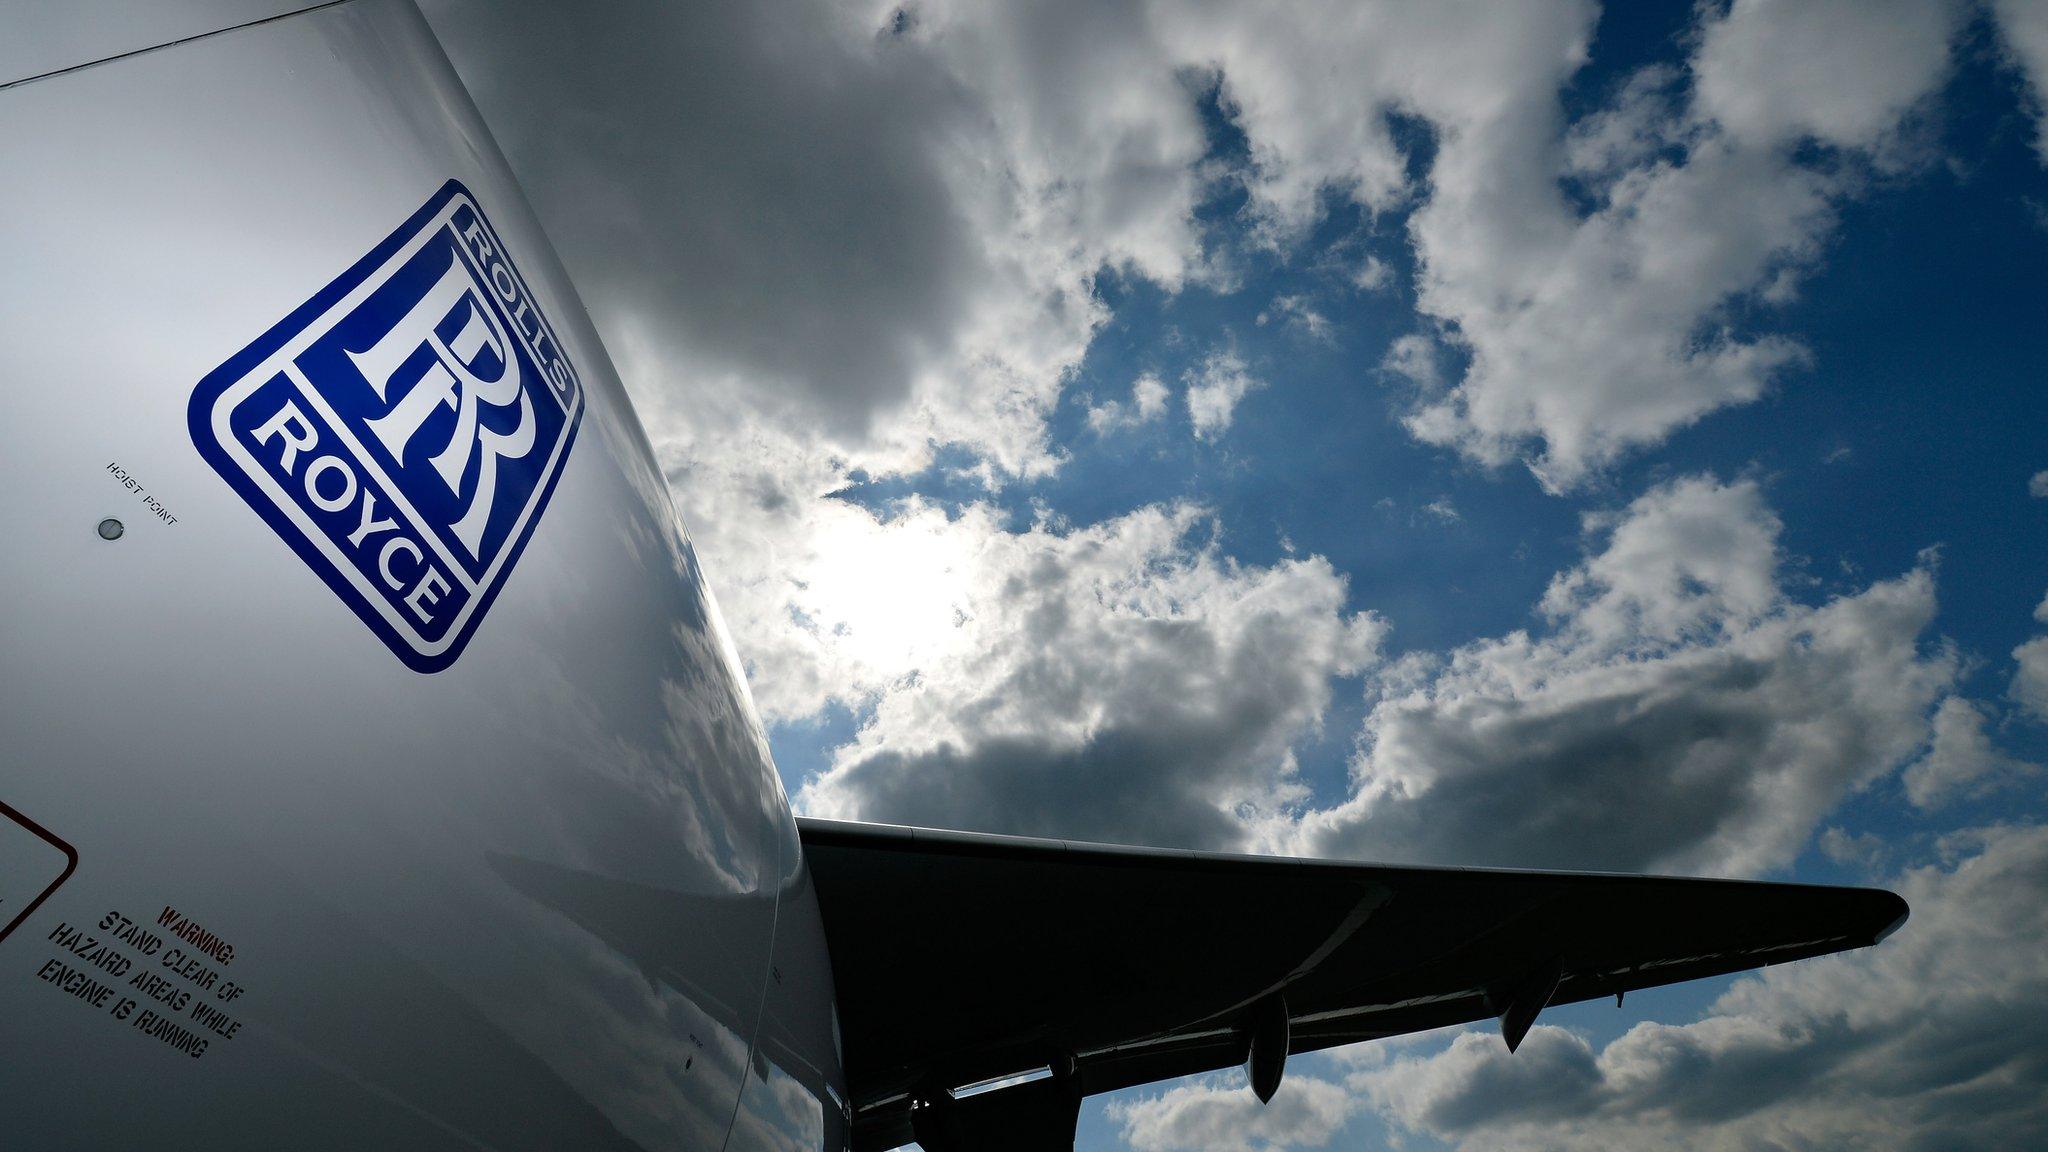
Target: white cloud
(1962, 760)
(1148, 397)
(1680, 714)
(1220, 1114)
(889, 243)
(1214, 390)
(1372, 275)
(2023, 30)
(2029, 688)
(1122, 681)
(1865, 850)
(827, 602)
(2030, 679)
(2037, 486)
(1416, 360)
(878, 233)
(1295, 312)
(1314, 86)
(1627, 133)
(1552, 1075)
(1593, 334)
(825, 239)
(1842, 72)
(1125, 681)
(821, 240)
(1930, 1040)
(1148, 403)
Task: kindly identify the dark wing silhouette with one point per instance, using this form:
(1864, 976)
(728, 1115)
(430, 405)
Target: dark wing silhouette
(960, 959)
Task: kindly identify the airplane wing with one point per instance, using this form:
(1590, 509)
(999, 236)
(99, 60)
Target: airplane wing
(963, 959)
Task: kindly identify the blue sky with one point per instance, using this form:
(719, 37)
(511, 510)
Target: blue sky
(1329, 430)
(1917, 425)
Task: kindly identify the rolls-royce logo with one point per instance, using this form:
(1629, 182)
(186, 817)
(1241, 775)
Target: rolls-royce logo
(403, 430)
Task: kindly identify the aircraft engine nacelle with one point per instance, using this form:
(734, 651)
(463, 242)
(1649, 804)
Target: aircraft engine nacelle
(376, 771)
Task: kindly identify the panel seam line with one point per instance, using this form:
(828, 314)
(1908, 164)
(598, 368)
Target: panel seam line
(168, 44)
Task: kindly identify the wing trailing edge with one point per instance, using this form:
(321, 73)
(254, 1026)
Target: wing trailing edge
(965, 959)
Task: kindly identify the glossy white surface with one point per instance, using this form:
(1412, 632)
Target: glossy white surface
(40, 36)
(525, 902)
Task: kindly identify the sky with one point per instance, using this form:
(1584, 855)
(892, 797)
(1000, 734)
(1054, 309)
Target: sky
(1528, 435)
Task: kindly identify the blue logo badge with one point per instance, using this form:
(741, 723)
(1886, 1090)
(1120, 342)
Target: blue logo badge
(403, 429)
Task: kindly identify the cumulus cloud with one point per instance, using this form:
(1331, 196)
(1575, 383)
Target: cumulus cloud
(1962, 761)
(824, 240)
(1372, 275)
(2030, 677)
(1214, 390)
(1123, 681)
(1591, 333)
(1842, 73)
(1679, 713)
(1866, 850)
(1892, 1048)
(1443, 510)
(1148, 403)
(1219, 1114)
(1317, 87)
(890, 245)
(891, 241)
(1464, 1088)
(1417, 360)
(827, 240)
(788, 562)
(877, 227)
(1294, 311)
(2023, 30)
(1627, 132)
(2037, 486)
